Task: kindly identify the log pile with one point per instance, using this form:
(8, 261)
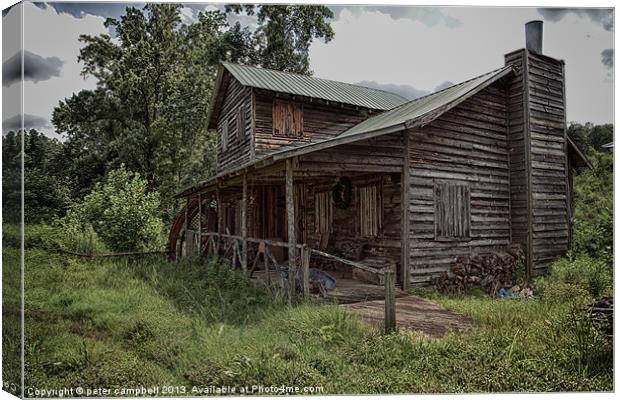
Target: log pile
(603, 313)
(490, 271)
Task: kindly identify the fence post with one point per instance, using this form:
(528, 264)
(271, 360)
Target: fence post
(390, 302)
(305, 269)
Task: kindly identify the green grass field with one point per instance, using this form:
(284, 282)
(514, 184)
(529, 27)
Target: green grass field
(119, 324)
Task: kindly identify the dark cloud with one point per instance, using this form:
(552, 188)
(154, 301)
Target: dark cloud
(6, 10)
(408, 92)
(36, 68)
(444, 85)
(429, 16)
(607, 58)
(602, 16)
(100, 9)
(14, 123)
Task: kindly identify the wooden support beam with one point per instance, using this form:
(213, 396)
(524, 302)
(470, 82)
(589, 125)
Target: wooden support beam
(405, 199)
(527, 138)
(244, 226)
(390, 302)
(305, 270)
(292, 234)
(220, 219)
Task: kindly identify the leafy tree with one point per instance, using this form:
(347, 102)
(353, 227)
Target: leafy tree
(285, 32)
(588, 135)
(593, 205)
(122, 212)
(45, 192)
(154, 82)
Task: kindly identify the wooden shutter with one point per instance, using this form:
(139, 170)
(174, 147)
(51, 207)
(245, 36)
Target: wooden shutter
(287, 119)
(323, 212)
(370, 207)
(452, 211)
(241, 123)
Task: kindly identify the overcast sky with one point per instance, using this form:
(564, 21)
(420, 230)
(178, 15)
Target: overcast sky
(409, 50)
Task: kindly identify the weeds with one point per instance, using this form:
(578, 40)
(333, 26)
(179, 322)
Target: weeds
(122, 323)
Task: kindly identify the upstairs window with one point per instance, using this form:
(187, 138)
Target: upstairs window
(287, 119)
(224, 135)
(452, 212)
(241, 123)
(370, 208)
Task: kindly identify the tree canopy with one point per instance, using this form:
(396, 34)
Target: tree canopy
(154, 82)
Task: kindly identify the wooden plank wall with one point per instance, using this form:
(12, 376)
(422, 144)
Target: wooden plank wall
(467, 146)
(550, 211)
(384, 155)
(320, 120)
(517, 154)
(238, 151)
(539, 179)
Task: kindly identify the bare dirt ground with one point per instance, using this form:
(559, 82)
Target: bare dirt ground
(414, 313)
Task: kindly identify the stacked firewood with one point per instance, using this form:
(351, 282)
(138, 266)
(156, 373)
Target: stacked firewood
(490, 271)
(603, 313)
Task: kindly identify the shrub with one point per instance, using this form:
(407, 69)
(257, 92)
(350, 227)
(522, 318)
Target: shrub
(592, 276)
(122, 212)
(77, 238)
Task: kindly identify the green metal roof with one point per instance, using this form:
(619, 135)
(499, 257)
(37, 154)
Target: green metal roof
(417, 112)
(426, 107)
(414, 113)
(308, 86)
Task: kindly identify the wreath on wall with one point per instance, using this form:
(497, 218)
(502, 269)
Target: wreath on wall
(342, 193)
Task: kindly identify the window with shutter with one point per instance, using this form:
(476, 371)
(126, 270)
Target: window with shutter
(452, 212)
(287, 119)
(370, 207)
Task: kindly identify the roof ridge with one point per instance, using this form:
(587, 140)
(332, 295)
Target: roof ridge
(313, 77)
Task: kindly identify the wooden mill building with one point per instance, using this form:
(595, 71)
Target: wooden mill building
(372, 178)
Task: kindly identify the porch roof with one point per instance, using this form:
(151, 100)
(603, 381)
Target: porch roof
(412, 114)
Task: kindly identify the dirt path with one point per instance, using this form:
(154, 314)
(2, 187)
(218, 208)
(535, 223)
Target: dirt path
(414, 313)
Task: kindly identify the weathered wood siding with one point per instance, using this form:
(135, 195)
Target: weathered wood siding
(550, 207)
(517, 154)
(538, 122)
(239, 148)
(374, 161)
(465, 146)
(320, 120)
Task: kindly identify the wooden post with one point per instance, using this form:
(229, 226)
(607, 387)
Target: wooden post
(199, 225)
(220, 219)
(266, 258)
(244, 227)
(292, 235)
(390, 303)
(305, 269)
(186, 225)
(405, 216)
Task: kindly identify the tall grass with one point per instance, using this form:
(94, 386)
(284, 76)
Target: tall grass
(122, 323)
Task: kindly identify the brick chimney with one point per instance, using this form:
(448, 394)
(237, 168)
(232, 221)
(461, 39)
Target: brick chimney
(539, 192)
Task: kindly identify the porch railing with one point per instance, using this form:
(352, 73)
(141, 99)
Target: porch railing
(231, 248)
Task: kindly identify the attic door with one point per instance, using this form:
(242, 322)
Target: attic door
(452, 212)
(287, 119)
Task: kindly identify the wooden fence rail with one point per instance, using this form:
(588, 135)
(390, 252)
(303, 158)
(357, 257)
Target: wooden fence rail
(229, 246)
